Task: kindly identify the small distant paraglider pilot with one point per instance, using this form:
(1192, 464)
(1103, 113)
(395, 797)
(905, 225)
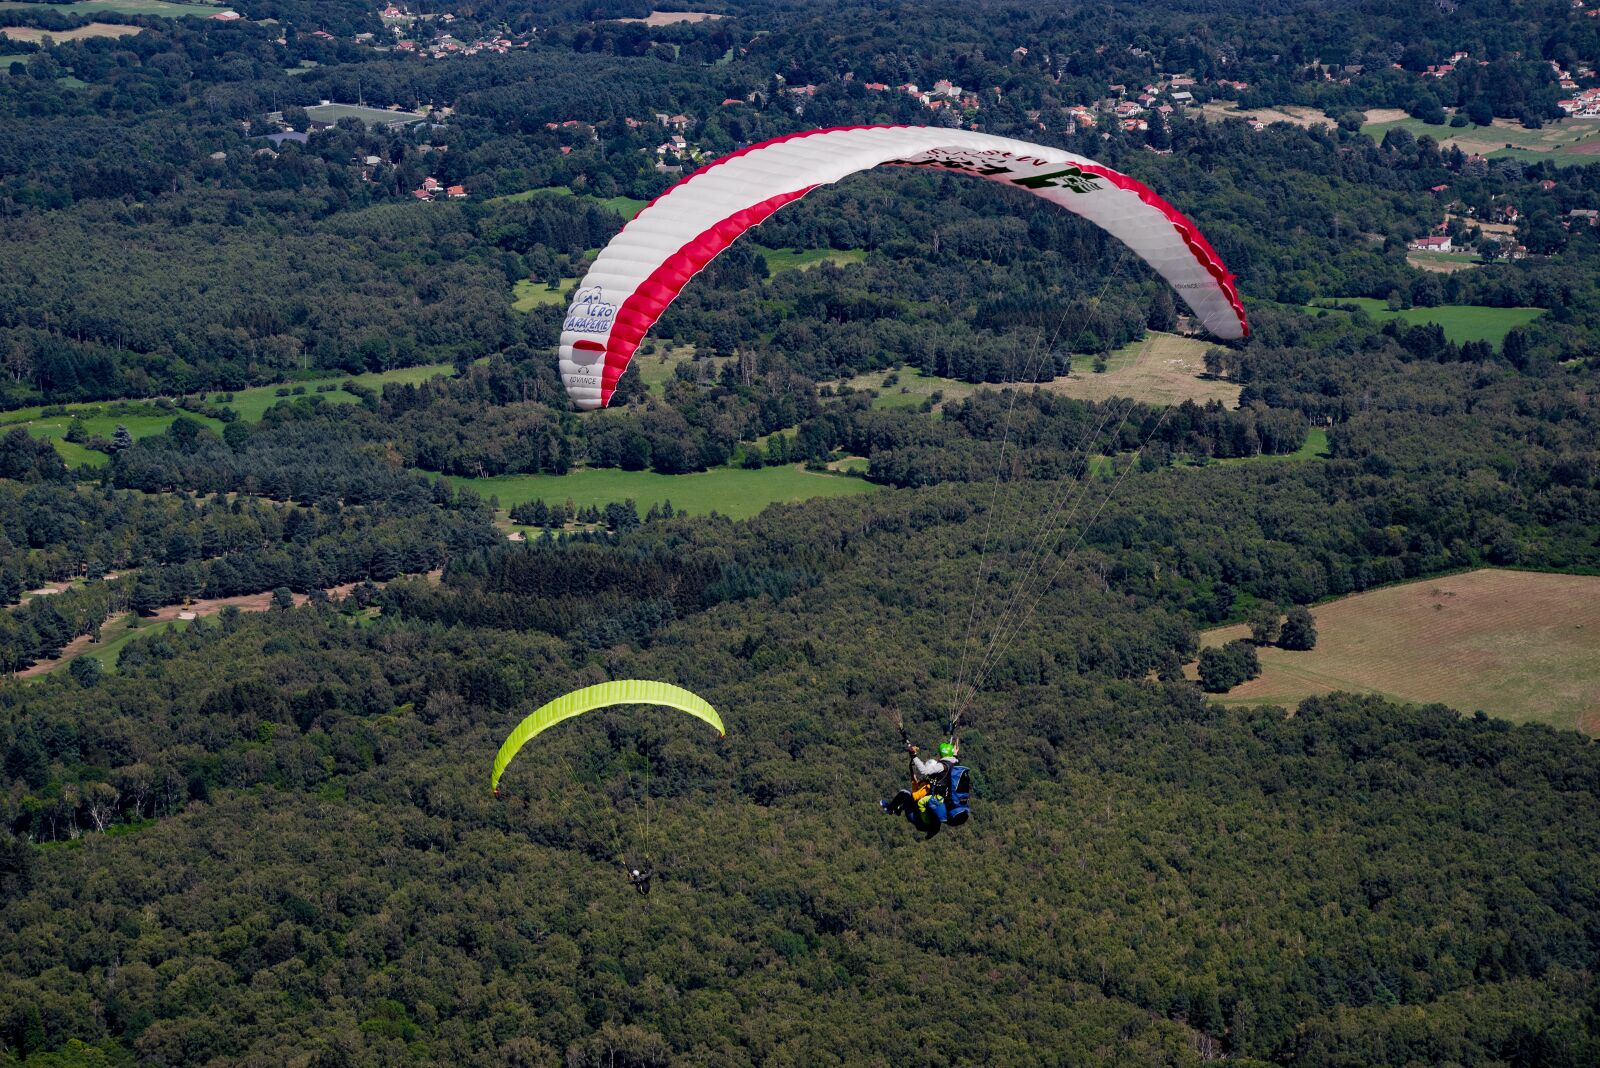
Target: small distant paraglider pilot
(938, 793)
(640, 880)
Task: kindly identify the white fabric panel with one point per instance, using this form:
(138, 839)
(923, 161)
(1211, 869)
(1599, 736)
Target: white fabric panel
(665, 232)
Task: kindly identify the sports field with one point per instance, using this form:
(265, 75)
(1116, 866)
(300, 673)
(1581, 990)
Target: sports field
(1521, 645)
(1161, 369)
(93, 29)
(1461, 322)
(730, 491)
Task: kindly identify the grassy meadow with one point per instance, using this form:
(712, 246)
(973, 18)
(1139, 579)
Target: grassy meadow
(730, 491)
(144, 418)
(93, 29)
(1160, 369)
(794, 259)
(159, 8)
(1461, 322)
(1521, 645)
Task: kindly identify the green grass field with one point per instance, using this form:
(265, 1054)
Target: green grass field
(114, 636)
(729, 491)
(117, 634)
(911, 388)
(1461, 322)
(252, 403)
(1561, 142)
(370, 116)
(527, 294)
(788, 259)
(160, 8)
(1518, 644)
(627, 207)
(1314, 448)
(143, 418)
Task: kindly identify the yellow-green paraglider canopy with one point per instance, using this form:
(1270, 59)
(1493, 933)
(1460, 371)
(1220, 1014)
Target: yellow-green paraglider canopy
(601, 695)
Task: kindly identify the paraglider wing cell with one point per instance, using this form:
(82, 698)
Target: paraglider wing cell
(645, 266)
(602, 695)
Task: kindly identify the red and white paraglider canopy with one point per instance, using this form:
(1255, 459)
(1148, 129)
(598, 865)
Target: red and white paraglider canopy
(645, 266)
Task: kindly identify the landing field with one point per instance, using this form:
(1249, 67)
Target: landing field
(730, 491)
(1524, 646)
(1161, 369)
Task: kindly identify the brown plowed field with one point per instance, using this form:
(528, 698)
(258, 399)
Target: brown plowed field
(1521, 645)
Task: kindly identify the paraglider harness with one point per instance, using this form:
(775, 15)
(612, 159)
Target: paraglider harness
(640, 880)
(934, 803)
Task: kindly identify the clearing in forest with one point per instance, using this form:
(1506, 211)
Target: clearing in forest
(1161, 369)
(670, 18)
(908, 387)
(1291, 113)
(1461, 322)
(332, 113)
(1563, 141)
(93, 29)
(1443, 262)
(146, 417)
(202, 9)
(798, 259)
(731, 491)
(1521, 645)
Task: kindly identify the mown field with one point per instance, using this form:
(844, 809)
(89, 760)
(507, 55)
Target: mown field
(1461, 322)
(159, 8)
(1161, 369)
(1290, 113)
(370, 116)
(93, 29)
(1443, 262)
(145, 417)
(1565, 141)
(1521, 645)
(730, 491)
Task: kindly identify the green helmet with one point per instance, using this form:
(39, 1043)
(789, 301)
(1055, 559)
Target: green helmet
(947, 749)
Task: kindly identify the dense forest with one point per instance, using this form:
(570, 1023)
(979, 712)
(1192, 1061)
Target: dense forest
(266, 838)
